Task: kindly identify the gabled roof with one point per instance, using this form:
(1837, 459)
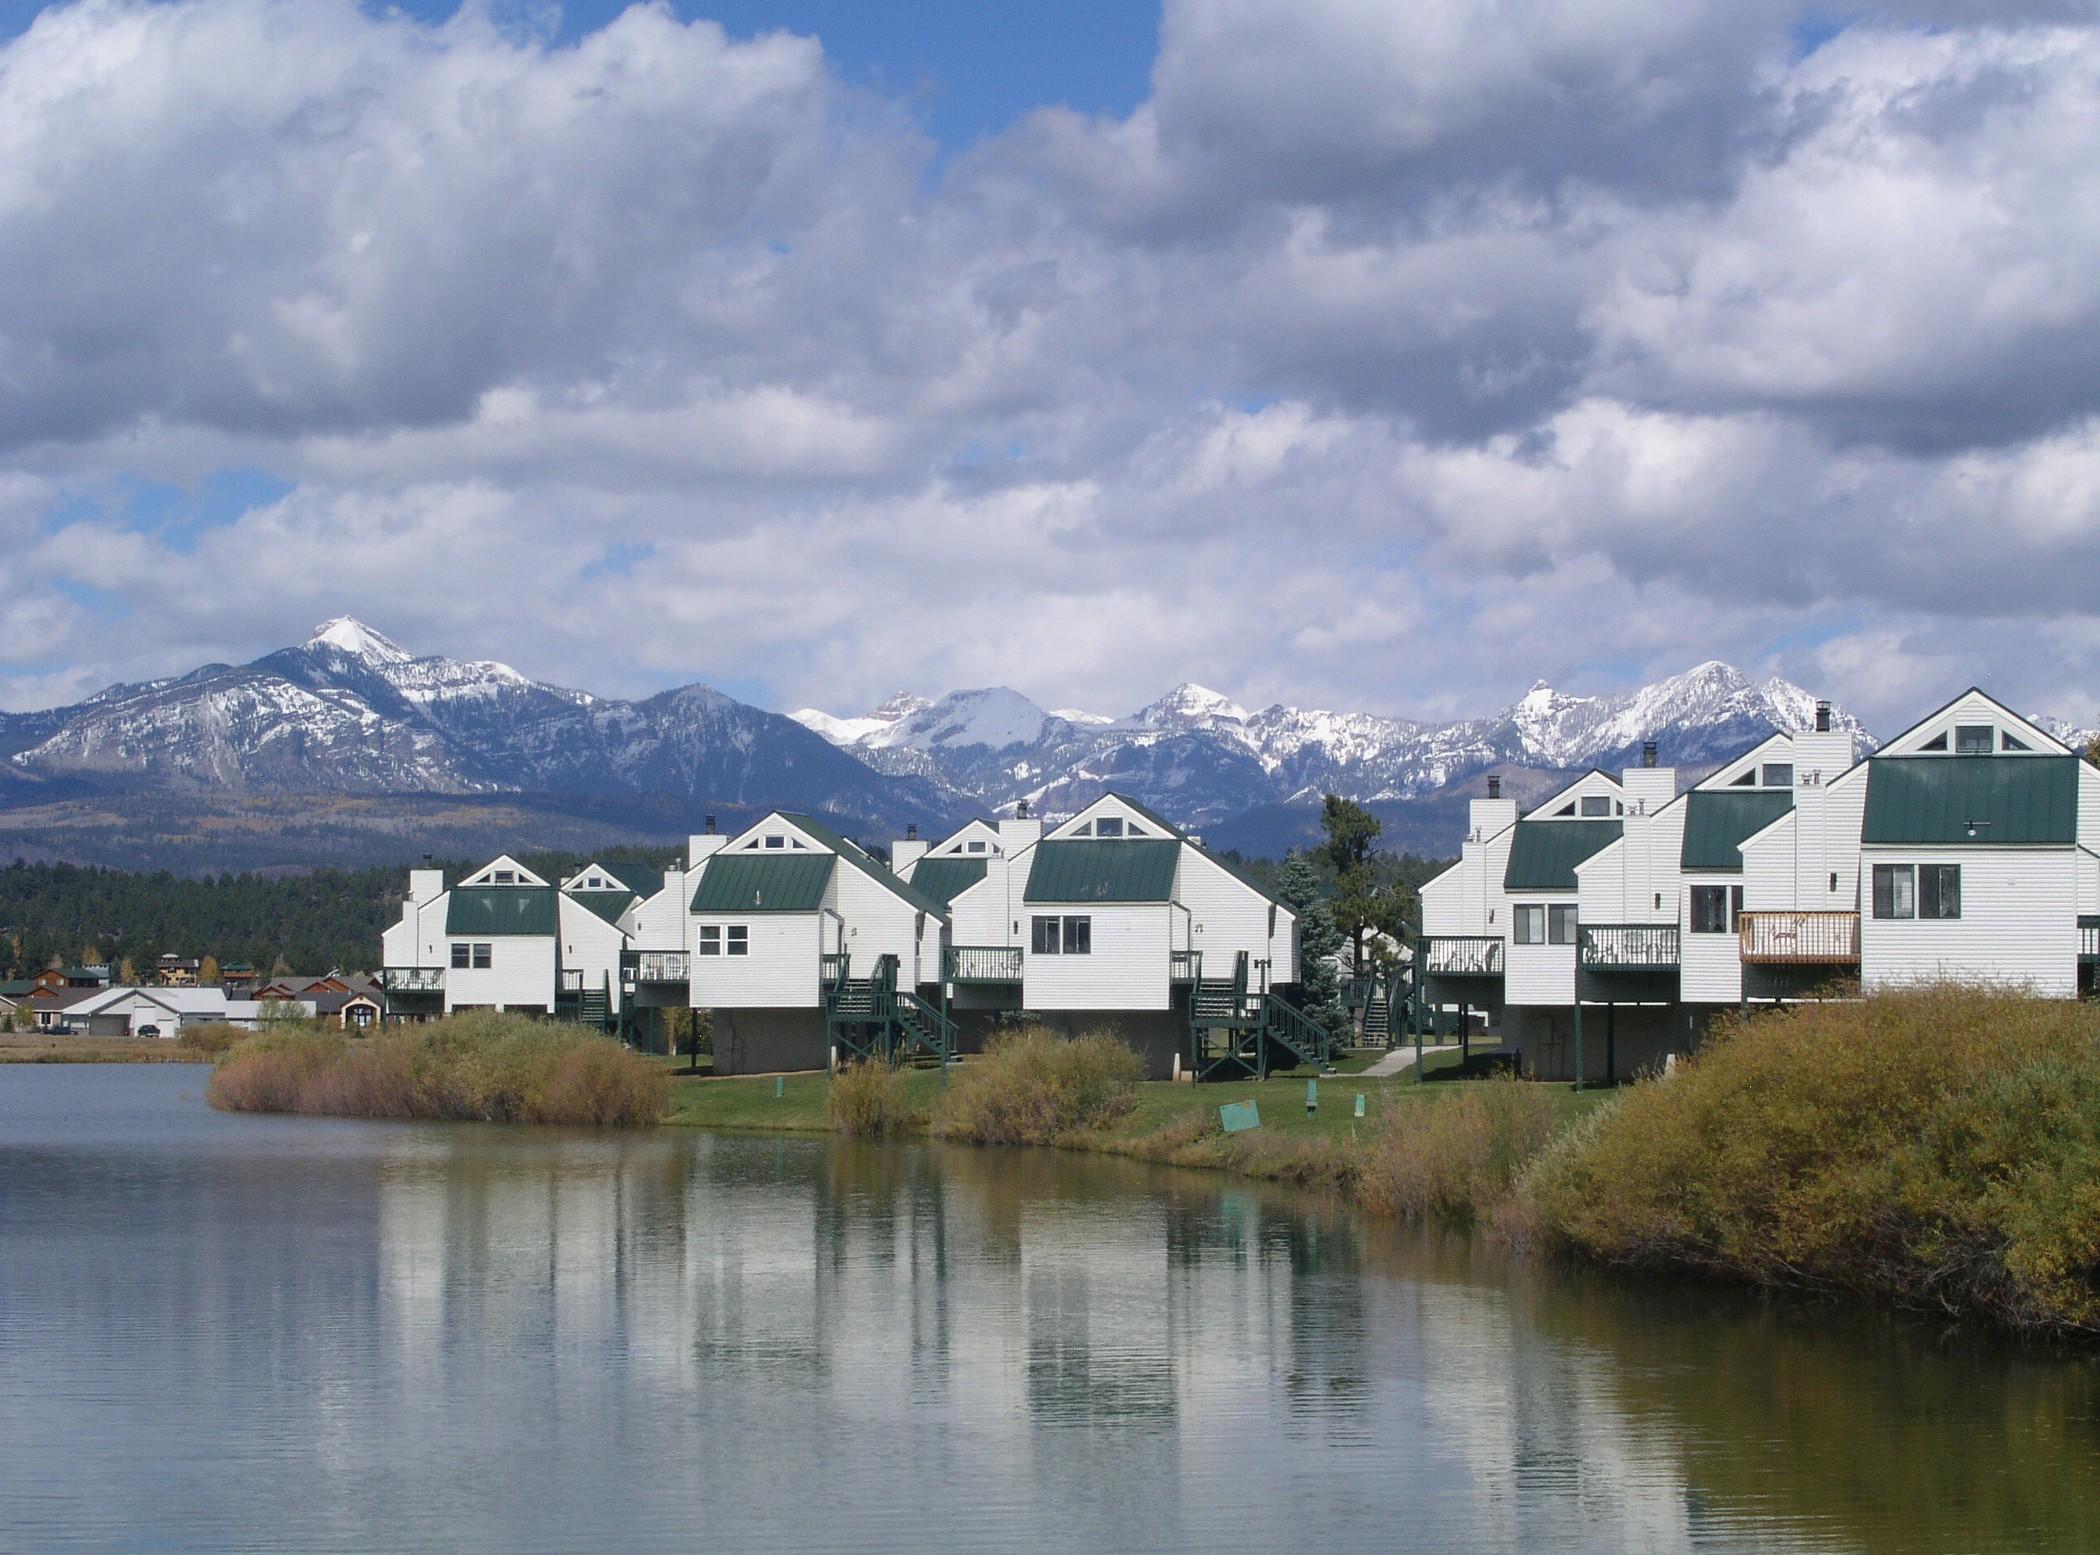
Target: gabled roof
(1717, 820)
(504, 861)
(944, 879)
(606, 904)
(1091, 870)
(2043, 740)
(625, 874)
(1940, 800)
(857, 856)
(1543, 854)
(502, 909)
(1170, 830)
(763, 882)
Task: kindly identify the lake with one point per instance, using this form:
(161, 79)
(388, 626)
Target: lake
(248, 1333)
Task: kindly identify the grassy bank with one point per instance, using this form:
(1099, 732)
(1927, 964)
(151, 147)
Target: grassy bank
(481, 1066)
(32, 1048)
(1937, 1149)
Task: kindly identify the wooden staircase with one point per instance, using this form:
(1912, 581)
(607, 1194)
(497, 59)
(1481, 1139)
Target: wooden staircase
(1236, 1033)
(871, 1019)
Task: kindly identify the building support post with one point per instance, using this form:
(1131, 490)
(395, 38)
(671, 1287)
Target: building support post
(1578, 1042)
(1611, 1044)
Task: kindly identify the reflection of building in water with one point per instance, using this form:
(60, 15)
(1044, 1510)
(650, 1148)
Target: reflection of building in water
(1094, 1283)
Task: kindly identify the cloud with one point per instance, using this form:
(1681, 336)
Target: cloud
(1384, 359)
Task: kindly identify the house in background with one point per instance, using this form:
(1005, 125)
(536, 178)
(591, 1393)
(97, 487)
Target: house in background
(238, 979)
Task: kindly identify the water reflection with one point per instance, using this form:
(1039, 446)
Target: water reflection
(231, 1333)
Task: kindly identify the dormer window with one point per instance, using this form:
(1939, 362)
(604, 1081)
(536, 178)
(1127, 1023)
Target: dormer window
(1596, 805)
(1937, 743)
(1747, 780)
(1974, 739)
(1109, 826)
(977, 847)
(1566, 809)
(1779, 774)
(1137, 831)
(776, 842)
(506, 877)
(1084, 831)
(2010, 743)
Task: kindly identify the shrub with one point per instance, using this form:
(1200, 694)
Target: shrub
(1454, 1159)
(869, 1100)
(211, 1039)
(1032, 1087)
(481, 1065)
(1935, 1148)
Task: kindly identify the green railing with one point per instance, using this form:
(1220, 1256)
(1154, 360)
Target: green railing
(2089, 939)
(831, 969)
(1462, 955)
(663, 966)
(412, 979)
(982, 964)
(1628, 947)
(1185, 966)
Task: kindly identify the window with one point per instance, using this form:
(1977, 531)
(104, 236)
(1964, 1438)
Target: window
(1109, 826)
(739, 939)
(1710, 908)
(484, 957)
(595, 883)
(1895, 891)
(1560, 924)
(1084, 831)
(459, 954)
(1596, 804)
(776, 842)
(977, 847)
(1073, 936)
(1566, 809)
(506, 877)
(1779, 774)
(1135, 830)
(1937, 743)
(710, 939)
(1974, 739)
(2011, 743)
(1939, 890)
(1747, 780)
(1529, 924)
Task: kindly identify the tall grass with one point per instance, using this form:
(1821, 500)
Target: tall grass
(1032, 1087)
(1456, 1160)
(870, 1100)
(482, 1066)
(1937, 1149)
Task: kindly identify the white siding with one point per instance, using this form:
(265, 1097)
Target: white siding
(659, 923)
(1768, 867)
(1444, 899)
(2088, 883)
(1540, 974)
(878, 923)
(591, 946)
(978, 916)
(2089, 806)
(520, 971)
(2018, 925)
(1711, 965)
(1225, 917)
(1126, 970)
(780, 973)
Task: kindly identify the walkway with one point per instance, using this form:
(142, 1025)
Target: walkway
(1402, 1059)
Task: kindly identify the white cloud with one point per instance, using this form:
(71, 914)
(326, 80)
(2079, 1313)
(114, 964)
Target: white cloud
(1385, 358)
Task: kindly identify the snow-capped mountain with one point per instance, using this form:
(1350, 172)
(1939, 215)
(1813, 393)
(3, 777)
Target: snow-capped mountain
(352, 712)
(1203, 758)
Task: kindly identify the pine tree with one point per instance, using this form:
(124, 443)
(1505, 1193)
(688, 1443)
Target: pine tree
(1319, 941)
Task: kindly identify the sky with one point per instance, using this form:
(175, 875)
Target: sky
(1383, 358)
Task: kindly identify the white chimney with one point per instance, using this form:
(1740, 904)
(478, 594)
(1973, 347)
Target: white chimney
(1014, 835)
(906, 851)
(425, 885)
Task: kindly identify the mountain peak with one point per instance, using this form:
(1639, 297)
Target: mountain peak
(1191, 703)
(347, 634)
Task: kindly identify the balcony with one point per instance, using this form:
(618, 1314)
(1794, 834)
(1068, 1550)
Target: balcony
(663, 966)
(1627, 947)
(412, 979)
(1185, 966)
(1799, 938)
(1462, 955)
(983, 964)
(2089, 941)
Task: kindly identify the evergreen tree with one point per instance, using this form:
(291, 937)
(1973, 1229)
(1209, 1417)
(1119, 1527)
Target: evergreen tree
(1363, 902)
(1318, 942)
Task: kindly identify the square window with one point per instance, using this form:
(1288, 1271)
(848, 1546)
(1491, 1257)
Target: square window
(1596, 804)
(1710, 909)
(1779, 774)
(776, 842)
(1079, 936)
(506, 877)
(710, 939)
(1529, 924)
(1560, 925)
(1109, 826)
(484, 957)
(1975, 739)
(460, 953)
(1044, 939)
(977, 847)
(1939, 890)
(739, 939)
(1895, 891)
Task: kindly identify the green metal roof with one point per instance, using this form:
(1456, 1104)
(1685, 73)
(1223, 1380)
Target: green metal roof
(19, 988)
(502, 909)
(944, 879)
(1936, 800)
(1543, 855)
(606, 904)
(853, 853)
(763, 882)
(644, 880)
(1716, 821)
(1091, 870)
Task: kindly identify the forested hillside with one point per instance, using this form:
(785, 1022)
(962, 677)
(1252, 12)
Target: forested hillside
(302, 923)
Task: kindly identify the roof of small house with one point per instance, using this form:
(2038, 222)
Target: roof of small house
(1543, 854)
(1941, 801)
(944, 879)
(502, 909)
(17, 988)
(1092, 870)
(1717, 820)
(606, 904)
(763, 882)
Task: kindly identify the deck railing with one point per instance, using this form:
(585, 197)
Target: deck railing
(1185, 966)
(2089, 939)
(1627, 947)
(570, 984)
(1798, 938)
(412, 979)
(983, 964)
(831, 968)
(1462, 955)
(663, 966)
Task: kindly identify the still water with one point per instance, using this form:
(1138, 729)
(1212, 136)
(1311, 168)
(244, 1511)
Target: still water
(232, 1333)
